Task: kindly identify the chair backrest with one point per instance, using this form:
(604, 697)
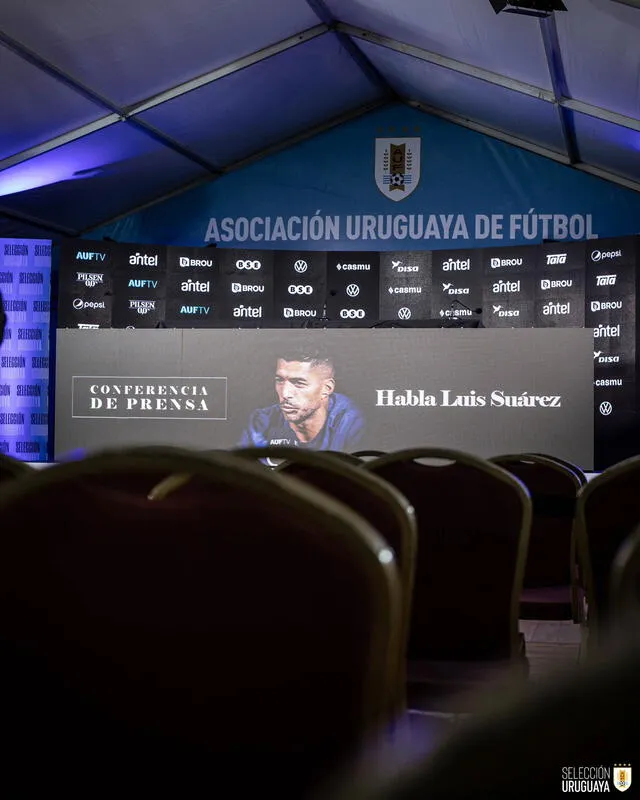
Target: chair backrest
(473, 530)
(249, 614)
(578, 472)
(553, 488)
(12, 468)
(625, 583)
(607, 512)
(376, 500)
(366, 454)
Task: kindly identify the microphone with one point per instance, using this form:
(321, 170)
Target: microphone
(472, 310)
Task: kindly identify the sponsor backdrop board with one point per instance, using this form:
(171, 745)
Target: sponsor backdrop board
(485, 391)
(25, 285)
(553, 285)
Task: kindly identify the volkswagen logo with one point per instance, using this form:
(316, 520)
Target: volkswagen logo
(606, 408)
(300, 266)
(404, 313)
(353, 290)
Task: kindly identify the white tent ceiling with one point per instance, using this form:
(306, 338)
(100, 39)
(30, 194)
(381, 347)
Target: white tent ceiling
(106, 107)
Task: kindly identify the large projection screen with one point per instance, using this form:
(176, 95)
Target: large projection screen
(487, 391)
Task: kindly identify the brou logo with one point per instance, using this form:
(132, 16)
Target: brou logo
(506, 287)
(496, 263)
(198, 311)
(136, 283)
(288, 313)
(240, 288)
(606, 280)
(560, 258)
(195, 262)
(449, 288)
(548, 284)
(606, 305)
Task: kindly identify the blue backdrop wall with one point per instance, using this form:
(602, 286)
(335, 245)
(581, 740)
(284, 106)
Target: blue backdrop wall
(396, 179)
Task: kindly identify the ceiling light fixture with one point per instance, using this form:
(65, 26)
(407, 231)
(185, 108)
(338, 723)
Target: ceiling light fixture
(528, 8)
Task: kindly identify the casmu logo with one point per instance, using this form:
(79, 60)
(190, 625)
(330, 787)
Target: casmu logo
(506, 312)
(143, 260)
(195, 286)
(503, 287)
(400, 267)
(354, 267)
(599, 255)
(606, 331)
(90, 279)
(142, 306)
(496, 263)
(550, 309)
(84, 255)
(606, 280)
(194, 262)
(547, 284)
(449, 288)
(606, 305)
(455, 312)
(197, 311)
(597, 356)
(134, 283)
(241, 288)
(405, 290)
(561, 258)
(446, 399)
(453, 265)
(288, 313)
(254, 312)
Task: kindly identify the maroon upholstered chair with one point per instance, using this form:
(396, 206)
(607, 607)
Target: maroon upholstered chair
(549, 575)
(244, 615)
(473, 530)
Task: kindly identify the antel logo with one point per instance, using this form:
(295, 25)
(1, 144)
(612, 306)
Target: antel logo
(241, 288)
(400, 267)
(195, 286)
(143, 260)
(606, 280)
(505, 287)
(195, 262)
(248, 312)
(300, 266)
(606, 305)
(351, 313)
(506, 312)
(606, 331)
(560, 309)
(78, 304)
(456, 265)
(86, 255)
(560, 258)
(288, 313)
(546, 284)
(602, 255)
(300, 288)
(248, 265)
(353, 290)
(142, 306)
(449, 288)
(90, 279)
(497, 263)
(597, 356)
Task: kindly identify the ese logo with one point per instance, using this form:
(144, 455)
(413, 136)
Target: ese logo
(561, 258)
(255, 265)
(352, 313)
(353, 290)
(300, 289)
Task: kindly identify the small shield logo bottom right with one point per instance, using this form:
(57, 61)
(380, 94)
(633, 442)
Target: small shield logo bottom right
(622, 777)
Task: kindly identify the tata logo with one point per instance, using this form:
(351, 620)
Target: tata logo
(195, 262)
(499, 311)
(300, 289)
(560, 258)
(556, 309)
(136, 283)
(603, 255)
(143, 260)
(456, 265)
(89, 255)
(195, 311)
(449, 288)
(606, 280)
(195, 286)
(242, 288)
(505, 287)
(606, 305)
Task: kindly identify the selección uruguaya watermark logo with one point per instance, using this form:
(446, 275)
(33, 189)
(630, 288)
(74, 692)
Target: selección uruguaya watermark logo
(596, 779)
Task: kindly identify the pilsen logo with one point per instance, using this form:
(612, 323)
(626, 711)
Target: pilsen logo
(397, 166)
(90, 279)
(149, 398)
(447, 399)
(142, 306)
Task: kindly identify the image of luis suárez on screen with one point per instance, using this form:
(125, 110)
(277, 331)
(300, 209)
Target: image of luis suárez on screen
(309, 412)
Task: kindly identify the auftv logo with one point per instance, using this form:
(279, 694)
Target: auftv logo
(90, 255)
(195, 311)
